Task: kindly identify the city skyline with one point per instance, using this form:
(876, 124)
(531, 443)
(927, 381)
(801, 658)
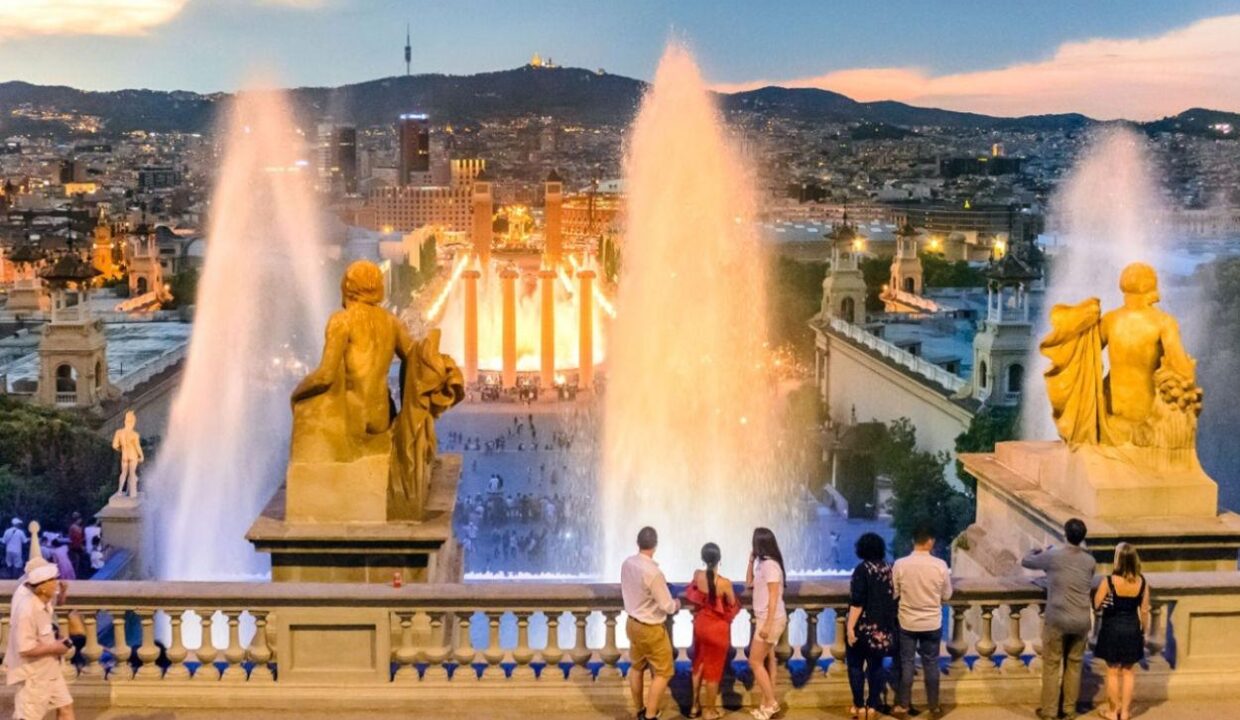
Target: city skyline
(1103, 60)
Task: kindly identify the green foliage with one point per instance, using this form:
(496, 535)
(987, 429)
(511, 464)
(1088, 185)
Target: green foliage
(51, 464)
(921, 494)
(876, 271)
(184, 288)
(609, 251)
(991, 425)
(804, 414)
(938, 272)
(796, 296)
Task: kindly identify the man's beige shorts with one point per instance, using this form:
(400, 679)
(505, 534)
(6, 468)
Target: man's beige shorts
(37, 697)
(650, 646)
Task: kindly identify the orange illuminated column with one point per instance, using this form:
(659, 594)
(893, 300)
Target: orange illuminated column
(471, 325)
(585, 353)
(552, 218)
(546, 376)
(508, 278)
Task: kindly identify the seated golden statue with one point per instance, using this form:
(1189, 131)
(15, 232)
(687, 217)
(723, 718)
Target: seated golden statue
(345, 425)
(1149, 399)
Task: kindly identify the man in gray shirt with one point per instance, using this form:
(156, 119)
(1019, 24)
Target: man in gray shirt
(1065, 628)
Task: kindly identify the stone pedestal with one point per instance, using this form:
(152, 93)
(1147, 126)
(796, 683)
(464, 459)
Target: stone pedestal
(313, 543)
(123, 523)
(1027, 490)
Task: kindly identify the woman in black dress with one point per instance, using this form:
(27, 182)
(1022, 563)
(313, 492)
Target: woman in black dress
(1124, 599)
(871, 625)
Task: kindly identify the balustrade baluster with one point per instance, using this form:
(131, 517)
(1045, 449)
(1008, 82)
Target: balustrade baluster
(234, 654)
(259, 653)
(523, 654)
(1157, 639)
(552, 654)
(811, 651)
(1014, 646)
(839, 667)
(437, 653)
(405, 654)
(610, 654)
(92, 651)
(986, 643)
(681, 654)
(4, 634)
(148, 651)
(206, 652)
(121, 669)
(959, 645)
(581, 653)
(465, 653)
(783, 649)
(494, 654)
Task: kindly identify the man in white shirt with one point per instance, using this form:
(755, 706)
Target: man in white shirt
(34, 653)
(14, 541)
(648, 602)
(921, 583)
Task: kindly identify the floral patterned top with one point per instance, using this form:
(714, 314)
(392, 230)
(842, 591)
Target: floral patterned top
(871, 591)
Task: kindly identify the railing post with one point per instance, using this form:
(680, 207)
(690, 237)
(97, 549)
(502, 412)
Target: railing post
(580, 653)
(494, 654)
(437, 653)
(839, 666)
(523, 654)
(148, 652)
(552, 654)
(234, 654)
(405, 654)
(92, 651)
(465, 653)
(206, 652)
(986, 643)
(812, 650)
(958, 645)
(259, 653)
(783, 649)
(1014, 646)
(120, 648)
(610, 654)
(1156, 640)
(1035, 664)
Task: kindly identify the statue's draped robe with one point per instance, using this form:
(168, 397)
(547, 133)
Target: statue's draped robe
(1075, 382)
(431, 383)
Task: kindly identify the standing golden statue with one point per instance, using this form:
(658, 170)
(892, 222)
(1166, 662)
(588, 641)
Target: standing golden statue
(345, 425)
(1149, 399)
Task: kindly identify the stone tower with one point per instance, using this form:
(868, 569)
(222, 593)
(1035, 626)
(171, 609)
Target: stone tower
(146, 274)
(483, 210)
(843, 290)
(553, 239)
(1001, 348)
(906, 272)
(73, 360)
(103, 252)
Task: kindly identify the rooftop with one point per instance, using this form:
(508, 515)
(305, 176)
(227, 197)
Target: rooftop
(132, 349)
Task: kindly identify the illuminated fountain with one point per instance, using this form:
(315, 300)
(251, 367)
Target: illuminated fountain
(690, 437)
(262, 303)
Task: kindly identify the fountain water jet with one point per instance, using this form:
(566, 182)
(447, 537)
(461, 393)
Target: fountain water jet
(262, 302)
(690, 439)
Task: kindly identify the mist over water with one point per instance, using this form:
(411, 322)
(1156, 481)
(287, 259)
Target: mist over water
(263, 301)
(1109, 212)
(690, 428)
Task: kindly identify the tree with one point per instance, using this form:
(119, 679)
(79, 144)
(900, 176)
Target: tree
(184, 288)
(796, 296)
(877, 272)
(51, 464)
(991, 425)
(921, 494)
(938, 272)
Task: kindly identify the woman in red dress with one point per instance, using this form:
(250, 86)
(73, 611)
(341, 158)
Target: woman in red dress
(715, 601)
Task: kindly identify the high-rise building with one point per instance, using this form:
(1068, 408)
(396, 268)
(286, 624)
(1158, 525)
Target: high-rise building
(414, 131)
(337, 158)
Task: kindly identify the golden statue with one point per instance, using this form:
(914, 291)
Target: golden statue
(343, 413)
(1149, 399)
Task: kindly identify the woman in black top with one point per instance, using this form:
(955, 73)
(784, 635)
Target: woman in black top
(871, 625)
(1124, 599)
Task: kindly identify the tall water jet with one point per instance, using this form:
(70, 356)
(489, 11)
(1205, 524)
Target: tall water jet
(689, 440)
(262, 302)
(1108, 213)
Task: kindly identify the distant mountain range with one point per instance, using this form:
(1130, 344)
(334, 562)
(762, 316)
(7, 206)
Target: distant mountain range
(571, 95)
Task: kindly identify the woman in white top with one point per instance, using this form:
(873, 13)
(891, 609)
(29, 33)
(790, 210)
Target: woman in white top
(766, 577)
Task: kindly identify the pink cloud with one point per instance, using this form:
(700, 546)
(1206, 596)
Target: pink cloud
(1136, 78)
(19, 18)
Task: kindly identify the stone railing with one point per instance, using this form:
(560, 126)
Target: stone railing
(951, 382)
(230, 644)
(913, 300)
(150, 369)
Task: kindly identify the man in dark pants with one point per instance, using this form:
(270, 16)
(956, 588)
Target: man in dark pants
(922, 583)
(1065, 626)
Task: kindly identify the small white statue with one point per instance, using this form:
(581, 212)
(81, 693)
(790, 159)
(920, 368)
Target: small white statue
(129, 443)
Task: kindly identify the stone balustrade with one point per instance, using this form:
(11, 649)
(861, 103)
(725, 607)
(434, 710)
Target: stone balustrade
(949, 381)
(234, 644)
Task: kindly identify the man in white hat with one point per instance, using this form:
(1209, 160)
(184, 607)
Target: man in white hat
(35, 652)
(14, 540)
